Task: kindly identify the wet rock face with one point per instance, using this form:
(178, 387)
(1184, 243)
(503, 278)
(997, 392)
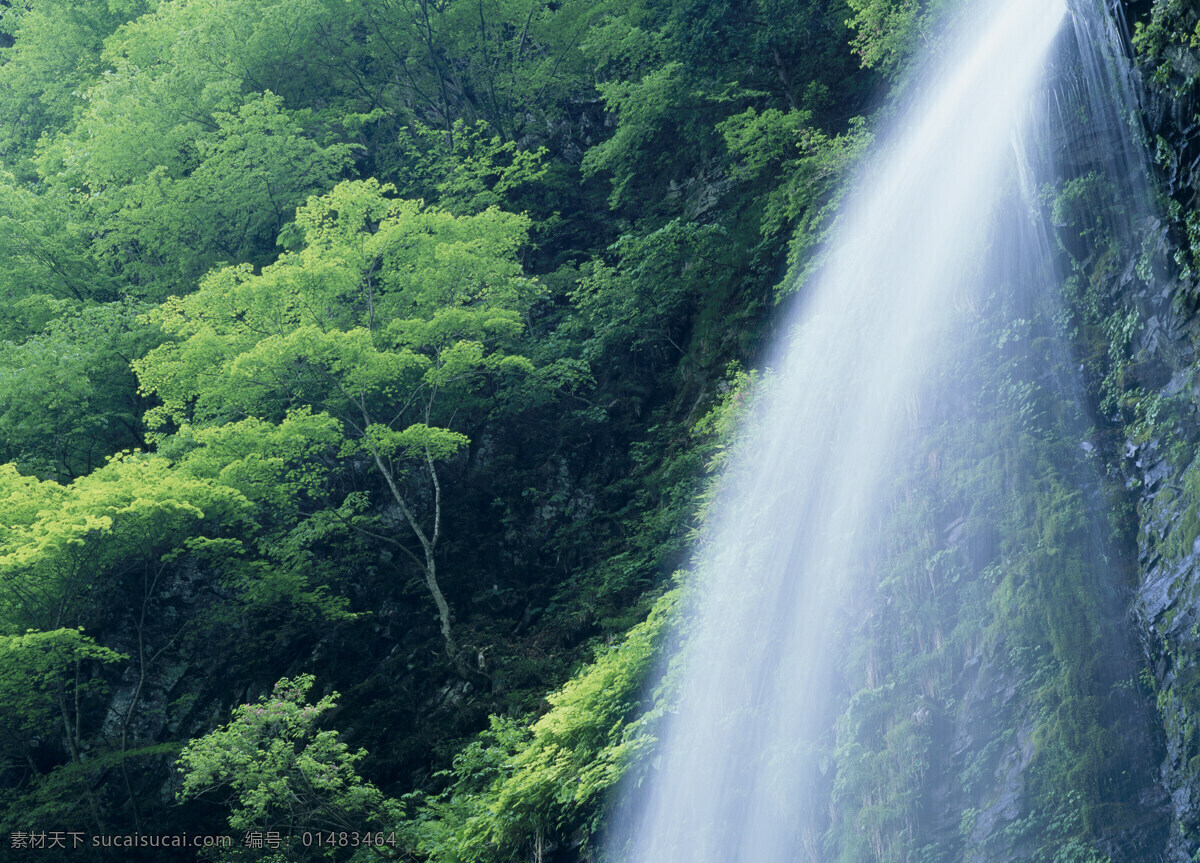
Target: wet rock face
(1160, 466)
(1168, 65)
(1168, 611)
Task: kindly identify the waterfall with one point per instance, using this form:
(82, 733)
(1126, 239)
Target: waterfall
(893, 375)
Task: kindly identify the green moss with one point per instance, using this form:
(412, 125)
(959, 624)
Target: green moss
(1180, 538)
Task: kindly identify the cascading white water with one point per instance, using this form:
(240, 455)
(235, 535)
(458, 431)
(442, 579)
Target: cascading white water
(869, 335)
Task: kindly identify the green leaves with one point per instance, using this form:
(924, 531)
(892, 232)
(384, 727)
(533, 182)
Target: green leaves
(383, 329)
(65, 541)
(249, 174)
(517, 782)
(1170, 23)
(273, 465)
(802, 165)
(67, 395)
(33, 664)
(414, 442)
(39, 670)
(344, 379)
(55, 53)
(647, 109)
(385, 304)
(467, 170)
(884, 32)
(803, 171)
(283, 772)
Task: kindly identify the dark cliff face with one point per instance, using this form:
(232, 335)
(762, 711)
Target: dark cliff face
(1152, 415)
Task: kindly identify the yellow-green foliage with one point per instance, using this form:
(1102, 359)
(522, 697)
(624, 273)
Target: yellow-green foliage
(62, 546)
(548, 778)
(385, 298)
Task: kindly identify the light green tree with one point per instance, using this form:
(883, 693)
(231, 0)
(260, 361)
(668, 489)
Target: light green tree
(67, 552)
(286, 775)
(400, 322)
(886, 31)
(219, 193)
(55, 54)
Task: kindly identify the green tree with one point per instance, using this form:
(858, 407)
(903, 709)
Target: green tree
(197, 141)
(46, 252)
(885, 31)
(399, 321)
(40, 690)
(163, 228)
(287, 776)
(103, 548)
(68, 398)
(502, 61)
(55, 53)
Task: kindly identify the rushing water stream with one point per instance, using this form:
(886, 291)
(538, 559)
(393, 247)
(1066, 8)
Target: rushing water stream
(927, 235)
